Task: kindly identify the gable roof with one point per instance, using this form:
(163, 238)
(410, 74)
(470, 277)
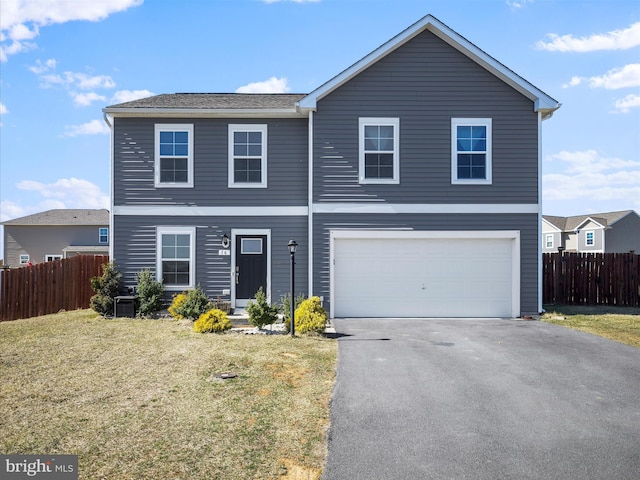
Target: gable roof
(210, 104)
(569, 224)
(542, 102)
(64, 217)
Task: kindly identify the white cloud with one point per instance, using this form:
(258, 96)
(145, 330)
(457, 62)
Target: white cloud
(614, 79)
(3, 109)
(588, 176)
(614, 40)
(273, 85)
(76, 79)
(67, 193)
(86, 99)
(39, 68)
(518, 3)
(624, 105)
(94, 127)
(21, 19)
(122, 96)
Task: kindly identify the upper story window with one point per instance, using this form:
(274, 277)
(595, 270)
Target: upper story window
(174, 155)
(379, 157)
(247, 156)
(176, 256)
(103, 235)
(589, 238)
(471, 151)
(548, 242)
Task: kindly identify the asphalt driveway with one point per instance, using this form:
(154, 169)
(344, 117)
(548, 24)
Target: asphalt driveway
(482, 399)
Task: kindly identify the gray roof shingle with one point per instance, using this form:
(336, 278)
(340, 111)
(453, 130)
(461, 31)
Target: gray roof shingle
(79, 216)
(567, 224)
(222, 101)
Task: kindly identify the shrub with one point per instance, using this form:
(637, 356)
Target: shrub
(194, 304)
(310, 316)
(107, 287)
(285, 300)
(260, 312)
(177, 302)
(212, 321)
(150, 293)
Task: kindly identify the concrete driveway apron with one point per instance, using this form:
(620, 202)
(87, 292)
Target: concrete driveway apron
(482, 399)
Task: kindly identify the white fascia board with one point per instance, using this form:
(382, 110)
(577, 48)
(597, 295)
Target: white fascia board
(188, 211)
(425, 208)
(589, 219)
(542, 102)
(205, 112)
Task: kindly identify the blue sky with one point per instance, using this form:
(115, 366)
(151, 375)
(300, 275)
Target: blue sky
(62, 61)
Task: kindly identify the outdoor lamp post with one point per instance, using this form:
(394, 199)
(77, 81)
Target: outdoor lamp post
(292, 250)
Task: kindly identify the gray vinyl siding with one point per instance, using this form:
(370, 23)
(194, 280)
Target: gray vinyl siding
(425, 83)
(287, 161)
(623, 236)
(526, 224)
(135, 249)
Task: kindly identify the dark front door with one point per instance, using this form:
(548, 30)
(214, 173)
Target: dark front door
(251, 266)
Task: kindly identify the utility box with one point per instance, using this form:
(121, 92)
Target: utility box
(124, 306)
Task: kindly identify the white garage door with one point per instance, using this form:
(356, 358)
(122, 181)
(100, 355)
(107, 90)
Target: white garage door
(425, 274)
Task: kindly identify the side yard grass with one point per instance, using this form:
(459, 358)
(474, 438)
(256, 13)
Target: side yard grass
(144, 399)
(621, 324)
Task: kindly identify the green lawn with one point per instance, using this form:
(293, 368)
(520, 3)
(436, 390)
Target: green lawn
(143, 399)
(616, 323)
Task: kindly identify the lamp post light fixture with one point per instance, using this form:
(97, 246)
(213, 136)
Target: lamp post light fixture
(292, 250)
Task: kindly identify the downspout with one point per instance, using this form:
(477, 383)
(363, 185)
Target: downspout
(540, 118)
(310, 207)
(111, 187)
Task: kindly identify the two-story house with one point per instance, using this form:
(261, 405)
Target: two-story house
(609, 232)
(410, 181)
(55, 234)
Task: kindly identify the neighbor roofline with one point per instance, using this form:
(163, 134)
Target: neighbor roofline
(543, 103)
(593, 219)
(551, 224)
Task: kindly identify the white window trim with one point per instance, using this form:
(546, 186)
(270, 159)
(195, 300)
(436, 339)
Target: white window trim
(548, 236)
(377, 121)
(473, 122)
(99, 235)
(262, 128)
(246, 252)
(173, 127)
(586, 238)
(23, 259)
(191, 231)
(52, 257)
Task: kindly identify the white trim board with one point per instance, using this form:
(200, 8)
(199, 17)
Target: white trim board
(425, 208)
(188, 211)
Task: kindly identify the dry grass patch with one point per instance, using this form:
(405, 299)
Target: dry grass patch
(619, 324)
(143, 399)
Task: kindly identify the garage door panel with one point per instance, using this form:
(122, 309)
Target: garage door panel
(417, 277)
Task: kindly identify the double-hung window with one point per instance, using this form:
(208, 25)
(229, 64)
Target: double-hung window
(103, 235)
(247, 156)
(589, 238)
(174, 155)
(379, 150)
(471, 151)
(24, 259)
(548, 240)
(176, 256)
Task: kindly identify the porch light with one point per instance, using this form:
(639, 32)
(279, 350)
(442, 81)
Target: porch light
(292, 250)
(225, 241)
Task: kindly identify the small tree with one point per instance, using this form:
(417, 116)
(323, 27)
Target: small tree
(150, 293)
(286, 305)
(107, 287)
(260, 312)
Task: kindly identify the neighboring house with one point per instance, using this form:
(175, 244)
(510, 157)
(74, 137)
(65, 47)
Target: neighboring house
(410, 181)
(55, 234)
(612, 232)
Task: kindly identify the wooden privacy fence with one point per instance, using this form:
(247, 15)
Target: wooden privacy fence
(48, 287)
(591, 279)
